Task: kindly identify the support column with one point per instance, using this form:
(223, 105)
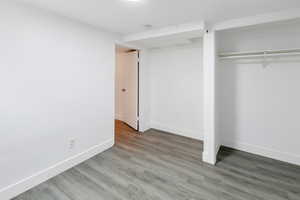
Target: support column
(209, 68)
(144, 104)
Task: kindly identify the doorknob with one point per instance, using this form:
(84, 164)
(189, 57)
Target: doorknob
(123, 90)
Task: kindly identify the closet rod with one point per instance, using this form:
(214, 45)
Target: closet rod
(256, 54)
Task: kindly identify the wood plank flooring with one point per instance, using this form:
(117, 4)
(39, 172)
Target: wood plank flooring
(161, 166)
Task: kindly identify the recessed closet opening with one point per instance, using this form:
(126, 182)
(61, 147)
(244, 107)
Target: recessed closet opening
(257, 89)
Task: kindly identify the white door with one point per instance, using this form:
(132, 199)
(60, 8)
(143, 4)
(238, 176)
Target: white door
(129, 89)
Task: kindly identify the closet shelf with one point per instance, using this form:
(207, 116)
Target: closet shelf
(257, 54)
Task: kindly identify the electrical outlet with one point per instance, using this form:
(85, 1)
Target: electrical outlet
(72, 143)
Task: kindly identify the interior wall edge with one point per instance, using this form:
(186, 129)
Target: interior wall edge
(262, 151)
(218, 147)
(13, 190)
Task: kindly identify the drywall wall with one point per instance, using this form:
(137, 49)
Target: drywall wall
(57, 95)
(259, 107)
(175, 85)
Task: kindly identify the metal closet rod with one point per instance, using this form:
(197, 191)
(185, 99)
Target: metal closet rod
(256, 54)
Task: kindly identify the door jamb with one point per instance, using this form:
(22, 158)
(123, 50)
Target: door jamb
(138, 81)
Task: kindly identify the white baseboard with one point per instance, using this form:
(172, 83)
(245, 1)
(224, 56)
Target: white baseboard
(262, 151)
(144, 129)
(118, 117)
(208, 159)
(42, 176)
(198, 135)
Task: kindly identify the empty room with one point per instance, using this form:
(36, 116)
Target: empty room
(149, 99)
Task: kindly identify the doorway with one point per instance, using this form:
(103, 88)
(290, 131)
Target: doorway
(127, 87)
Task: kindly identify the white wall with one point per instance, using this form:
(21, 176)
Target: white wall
(57, 84)
(176, 103)
(259, 107)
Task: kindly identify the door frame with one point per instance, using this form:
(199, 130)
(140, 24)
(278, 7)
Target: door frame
(118, 45)
(138, 90)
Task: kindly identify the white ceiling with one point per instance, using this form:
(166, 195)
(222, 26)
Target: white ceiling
(124, 17)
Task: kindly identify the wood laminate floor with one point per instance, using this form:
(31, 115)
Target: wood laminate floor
(160, 166)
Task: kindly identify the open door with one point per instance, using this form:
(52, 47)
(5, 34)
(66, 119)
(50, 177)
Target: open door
(129, 89)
